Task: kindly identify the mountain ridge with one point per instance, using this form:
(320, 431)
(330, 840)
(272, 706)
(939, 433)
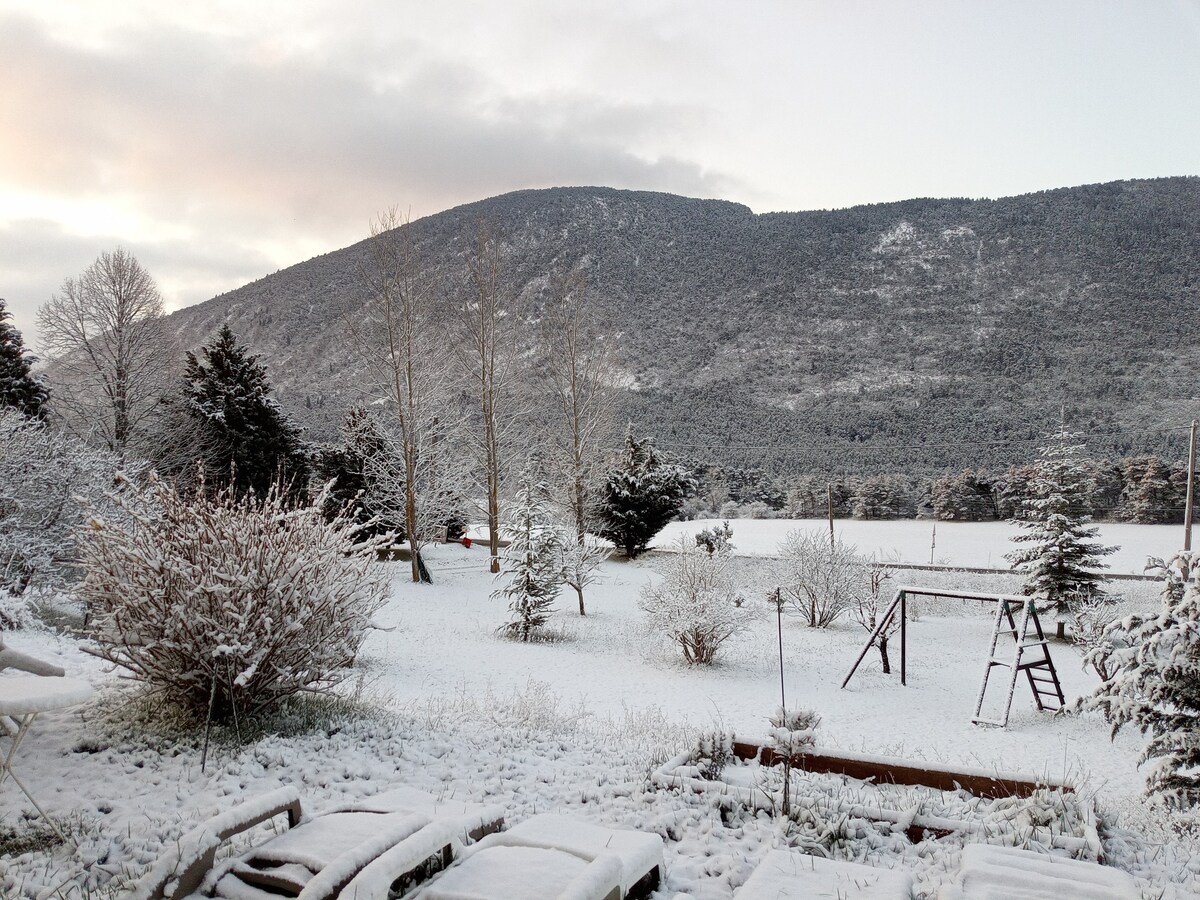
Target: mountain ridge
(914, 324)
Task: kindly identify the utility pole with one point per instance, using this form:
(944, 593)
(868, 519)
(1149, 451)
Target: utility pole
(1191, 490)
(933, 542)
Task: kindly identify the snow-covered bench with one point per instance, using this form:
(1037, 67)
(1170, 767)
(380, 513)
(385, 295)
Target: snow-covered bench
(791, 875)
(554, 857)
(319, 857)
(22, 699)
(1006, 873)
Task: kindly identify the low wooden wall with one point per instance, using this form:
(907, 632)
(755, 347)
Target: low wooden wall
(888, 771)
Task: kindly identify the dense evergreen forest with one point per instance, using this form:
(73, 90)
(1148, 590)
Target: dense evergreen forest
(924, 338)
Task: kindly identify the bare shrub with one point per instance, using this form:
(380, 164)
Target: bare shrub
(820, 578)
(228, 604)
(698, 604)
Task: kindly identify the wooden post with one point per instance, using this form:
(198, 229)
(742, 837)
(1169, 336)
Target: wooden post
(933, 542)
(829, 506)
(903, 637)
(779, 623)
(1191, 490)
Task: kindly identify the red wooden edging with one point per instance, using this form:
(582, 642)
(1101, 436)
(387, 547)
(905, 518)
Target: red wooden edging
(897, 772)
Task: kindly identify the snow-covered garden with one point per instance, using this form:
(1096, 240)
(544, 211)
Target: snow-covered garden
(577, 723)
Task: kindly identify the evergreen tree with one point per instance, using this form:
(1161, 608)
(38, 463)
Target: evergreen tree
(533, 562)
(346, 466)
(641, 496)
(1059, 555)
(1155, 682)
(1152, 494)
(229, 397)
(967, 497)
(18, 388)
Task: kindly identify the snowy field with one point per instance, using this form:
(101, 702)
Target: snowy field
(575, 726)
(973, 544)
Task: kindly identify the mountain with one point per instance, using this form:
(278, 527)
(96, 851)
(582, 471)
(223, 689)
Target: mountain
(908, 337)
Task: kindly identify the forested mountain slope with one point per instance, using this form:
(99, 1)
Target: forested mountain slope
(905, 336)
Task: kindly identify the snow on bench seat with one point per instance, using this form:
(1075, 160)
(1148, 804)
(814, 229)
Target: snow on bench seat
(23, 695)
(640, 852)
(791, 875)
(528, 873)
(1006, 873)
(473, 820)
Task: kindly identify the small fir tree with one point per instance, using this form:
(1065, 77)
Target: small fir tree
(1059, 554)
(532, 563)
(347, 468)
(1154, 682)
(229, 396)
(641, 495)
(18, 387)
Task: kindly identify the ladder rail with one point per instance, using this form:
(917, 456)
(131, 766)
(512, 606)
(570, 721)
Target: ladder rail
(1021, 639)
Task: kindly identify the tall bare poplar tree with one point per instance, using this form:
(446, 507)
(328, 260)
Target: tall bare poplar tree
(487, 313)
(401, 343)
(111, 353)
(582, 373)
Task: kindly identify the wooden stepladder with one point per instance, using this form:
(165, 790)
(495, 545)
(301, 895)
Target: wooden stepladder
(1031, 656)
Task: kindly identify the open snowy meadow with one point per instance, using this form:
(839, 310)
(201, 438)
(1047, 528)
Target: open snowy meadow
(438, 700)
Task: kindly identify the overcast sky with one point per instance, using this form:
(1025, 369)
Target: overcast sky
(220, 141)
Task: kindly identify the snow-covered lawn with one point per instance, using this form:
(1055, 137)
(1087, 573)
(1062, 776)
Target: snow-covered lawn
(974, 544)
(575, 726)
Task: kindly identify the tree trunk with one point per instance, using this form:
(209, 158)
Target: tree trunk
(883, 655)
(579, 591)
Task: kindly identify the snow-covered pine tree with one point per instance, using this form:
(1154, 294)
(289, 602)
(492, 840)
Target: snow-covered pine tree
(1155, 682)
(1059, 554)
(532, 563)
(18, 388)
(230, 398)
(641, 495)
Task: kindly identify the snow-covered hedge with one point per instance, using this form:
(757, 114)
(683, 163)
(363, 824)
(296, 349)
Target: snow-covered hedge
(228, 603)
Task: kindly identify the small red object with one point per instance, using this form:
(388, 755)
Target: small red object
(466, 542)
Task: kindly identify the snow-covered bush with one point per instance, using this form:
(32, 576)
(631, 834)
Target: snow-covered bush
(792, 732)
(228, 603)
(872, 602)
(640, 496)
(820, 578)
(1154, 682)
(533, 562)
(43, 475)
(698, 604)
(718, 539)
(714, 750)
(580, 564)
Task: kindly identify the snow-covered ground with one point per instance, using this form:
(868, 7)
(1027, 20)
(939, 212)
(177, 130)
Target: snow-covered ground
(973, 544)
(575, 726)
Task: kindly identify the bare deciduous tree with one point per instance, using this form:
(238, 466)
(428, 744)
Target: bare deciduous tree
(871, 602)
(582, 374)
(402, 346)
(820, 579)
(112, 355)
(487, 314)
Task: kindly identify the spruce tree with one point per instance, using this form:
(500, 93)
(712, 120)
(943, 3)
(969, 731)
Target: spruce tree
(1154, 683)
(18, 388)
(1059, 555)
(347, 467)
(533, 562)
(641, 496)
(230, 398)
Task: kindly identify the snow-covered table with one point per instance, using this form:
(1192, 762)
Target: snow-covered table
(790, 875)
(1006, 873)
(22, 699)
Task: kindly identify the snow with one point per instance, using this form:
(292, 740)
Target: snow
(1005, 873)
(21, 695)
(573, 727)
(499, 873)
(974, 544)
(638, 852)
(788, 875)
